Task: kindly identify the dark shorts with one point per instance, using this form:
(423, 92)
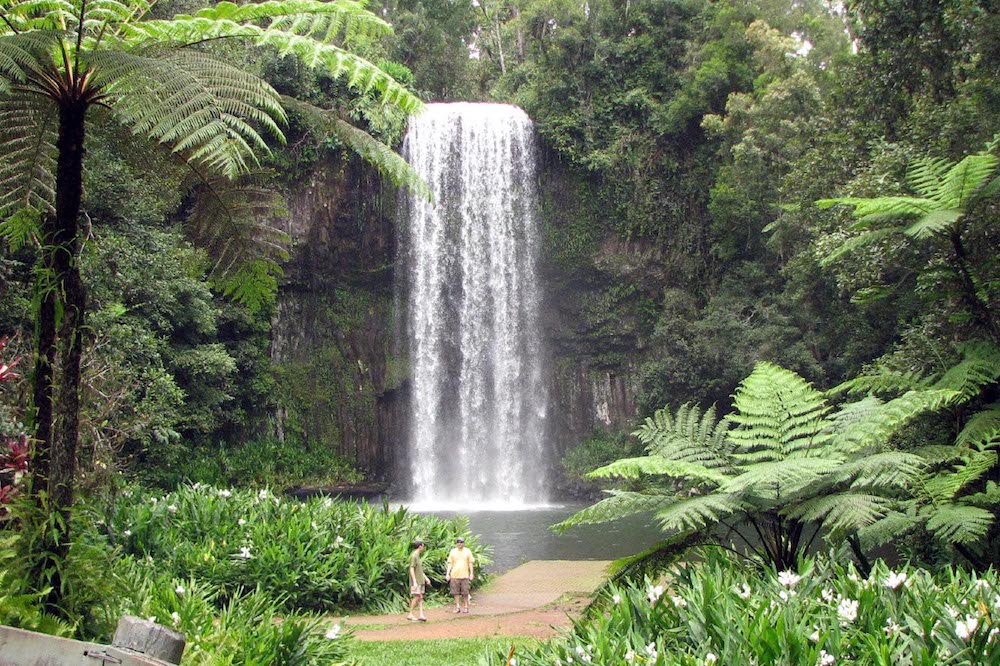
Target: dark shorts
(460, 586)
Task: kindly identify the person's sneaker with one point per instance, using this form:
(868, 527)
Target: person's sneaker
(465, 610)
(411, 618)
(458, 610)
(421, 619)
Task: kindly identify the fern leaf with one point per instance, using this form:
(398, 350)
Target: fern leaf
(890, 469)
(654, 465)
(963, 180)
(884, 420)
(619, 505)
(855, 243)
(982, 429)
(842, 512)
(698, 512)
(980, 366)
(925, 175)
(880, 380)
(377, 154)
(890, 527)
(253, 283)
(690, 436)
(781, 478)
(956, 523)
(934, 223)
(27, 153)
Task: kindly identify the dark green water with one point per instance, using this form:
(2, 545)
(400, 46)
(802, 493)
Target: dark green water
(523, 535)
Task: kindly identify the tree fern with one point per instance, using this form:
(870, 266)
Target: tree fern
(655, 465)
(690, 436)
(698, 512)
(957, 523)
(618, 504)
(842, 512)
(982, 429)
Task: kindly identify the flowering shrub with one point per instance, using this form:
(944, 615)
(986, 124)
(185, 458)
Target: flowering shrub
(721, 611)
(319, 555)
(13, 450)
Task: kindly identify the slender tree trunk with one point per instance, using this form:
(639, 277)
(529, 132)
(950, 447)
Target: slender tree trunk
(42, 375)
(58, 449)
(979, 309)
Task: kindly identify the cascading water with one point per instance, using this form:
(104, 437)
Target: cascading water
(478, 399)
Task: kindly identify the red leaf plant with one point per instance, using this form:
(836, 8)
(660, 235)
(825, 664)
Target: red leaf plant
(14, 452)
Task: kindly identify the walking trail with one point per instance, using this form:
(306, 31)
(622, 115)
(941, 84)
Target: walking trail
(537, 599)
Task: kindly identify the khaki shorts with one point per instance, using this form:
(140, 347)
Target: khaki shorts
(416, 590)
(460, 586)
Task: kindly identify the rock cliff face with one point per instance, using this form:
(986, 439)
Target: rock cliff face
(342, 371)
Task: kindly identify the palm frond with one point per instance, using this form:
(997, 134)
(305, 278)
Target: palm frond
(655, 465)
(27, 153)
(697, 512)
(389, 163)
(842, 512)
(690, 436)
(777, 414)
(619, 504)
(957, 523)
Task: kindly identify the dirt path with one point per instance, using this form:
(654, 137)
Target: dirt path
(536, 599)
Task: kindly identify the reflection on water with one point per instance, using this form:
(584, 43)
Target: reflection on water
(520, 536)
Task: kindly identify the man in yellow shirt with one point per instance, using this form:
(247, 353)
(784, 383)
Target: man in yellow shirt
(461, 571)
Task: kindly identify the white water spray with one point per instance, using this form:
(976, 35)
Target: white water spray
(478, 399)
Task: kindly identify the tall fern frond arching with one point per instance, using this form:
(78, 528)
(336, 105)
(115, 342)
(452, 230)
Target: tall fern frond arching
(28, 128)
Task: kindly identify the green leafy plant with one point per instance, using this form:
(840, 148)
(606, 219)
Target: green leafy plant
(717, 609)
(776, 472)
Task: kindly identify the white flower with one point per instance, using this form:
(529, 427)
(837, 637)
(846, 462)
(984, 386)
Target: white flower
(951, 611)
(176, 617)
(654, 593)
(617, 599)
(651, 651)
(262, 494)
(827, 594)
(630, 656)
(225, 493)
(679, 602)
(814, 636)
(789, 578)
(848, 610)
(241, 522)
(744, 591)
(327, 503)
(333, 632)
(245, 552)
(891, 627)
(710, 658)
(785, 595)
(825, 659)
(127, 533)
(894, 580)
(180, 589)
(512, 662)
(339, 541)
(314, 526)
(965, 628)
(982, 584)
(151, 618)
(853, 577)
(171, 508)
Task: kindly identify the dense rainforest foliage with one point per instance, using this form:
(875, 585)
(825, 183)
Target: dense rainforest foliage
(685, 145)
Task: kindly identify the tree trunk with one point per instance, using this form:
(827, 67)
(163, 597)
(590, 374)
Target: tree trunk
(57, 448)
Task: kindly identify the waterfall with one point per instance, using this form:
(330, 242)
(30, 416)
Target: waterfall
(478, 400)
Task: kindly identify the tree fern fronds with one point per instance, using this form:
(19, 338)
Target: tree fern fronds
(781, 478)
(377, 154)
(983, 429)
(889, 469)
(619, 504)
(925, 175)
(27, 142)
(964, 179)
(897, 206)
(854, 243)
(980, 366)
(933, 223)
(945, 486)
(21, 228)
(777, 414)
(691, 436)
(890, 527)
(988, 498)
(957, 523)
(842, 512)
(253, 283)
(698, 512)
(887, 418)
(230, 220)
(880, 380)
(634, 468)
